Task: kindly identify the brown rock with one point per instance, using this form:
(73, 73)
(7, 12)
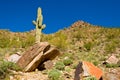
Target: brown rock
(37, 55)
(47, 65)
(34, 63)
(78, 71)
(41, 58)
(51, 54)
(31, 53)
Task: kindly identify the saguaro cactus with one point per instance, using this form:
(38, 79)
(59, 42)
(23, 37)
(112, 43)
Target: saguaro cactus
(38, 24)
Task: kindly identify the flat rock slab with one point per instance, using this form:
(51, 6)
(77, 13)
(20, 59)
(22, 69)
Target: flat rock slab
(86, 69)
(36, 55)
(91, 69)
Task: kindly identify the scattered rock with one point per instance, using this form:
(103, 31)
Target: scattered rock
(112, 60)
(14, 57)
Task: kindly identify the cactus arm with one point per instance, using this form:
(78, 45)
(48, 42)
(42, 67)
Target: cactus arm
(34, 22)
(43, 26)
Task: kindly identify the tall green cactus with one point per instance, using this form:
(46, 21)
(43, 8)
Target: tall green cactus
(38, 24)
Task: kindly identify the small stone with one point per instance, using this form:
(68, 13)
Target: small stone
(48, 64)
(112, 59)
(14, 58)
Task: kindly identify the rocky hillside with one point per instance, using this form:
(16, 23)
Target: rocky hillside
(79, 42)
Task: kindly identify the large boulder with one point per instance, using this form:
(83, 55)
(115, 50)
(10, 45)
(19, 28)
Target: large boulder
(37, 55)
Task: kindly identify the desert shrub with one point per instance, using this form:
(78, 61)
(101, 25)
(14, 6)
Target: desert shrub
(59, 40)
(54, 74)
(112, 33)
(28, 42)
(4, 42)
(78, 35)
(68, 55)
(90, 56)
(112, 65)
(4, 38)
(60, 65)
(74, 65)
(110, 47)
(68, 69)
(15, 42)
(110, 36)
(88, 46)
(67, 61)
(4, 66)
(95, 63)
(46, 37)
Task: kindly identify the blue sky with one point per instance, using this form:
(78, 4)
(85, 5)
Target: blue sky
(17, 15)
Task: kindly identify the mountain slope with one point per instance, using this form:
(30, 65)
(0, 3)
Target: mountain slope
(79, 42)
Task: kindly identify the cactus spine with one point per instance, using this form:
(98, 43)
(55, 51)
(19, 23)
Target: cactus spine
(38, 24)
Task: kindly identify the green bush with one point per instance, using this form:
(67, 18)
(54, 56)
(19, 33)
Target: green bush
(95, 63)
(15, 42)
(110, 47)
(54, 74)
(74, 65)
(60, 66)
(112, 65)
(4, 41)
(67, 62)
(4, 66)
(88, 46)
(68, 69)
(59, 40)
